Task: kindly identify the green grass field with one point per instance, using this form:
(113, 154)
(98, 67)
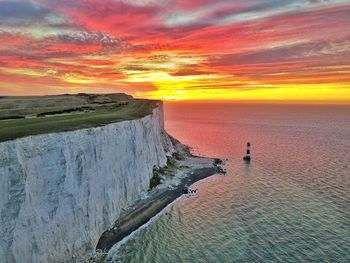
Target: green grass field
(66, 113)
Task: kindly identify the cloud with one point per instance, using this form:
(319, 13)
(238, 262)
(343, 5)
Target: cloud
(174, 44)
(146, 2)
(88, 38)
(14, 13)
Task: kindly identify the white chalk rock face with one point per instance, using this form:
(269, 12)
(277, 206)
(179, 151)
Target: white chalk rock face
(59, 192)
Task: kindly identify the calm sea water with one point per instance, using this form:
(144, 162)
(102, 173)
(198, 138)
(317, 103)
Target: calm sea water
(290, 204)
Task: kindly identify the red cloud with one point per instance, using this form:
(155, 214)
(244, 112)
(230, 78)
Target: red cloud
(96, 36)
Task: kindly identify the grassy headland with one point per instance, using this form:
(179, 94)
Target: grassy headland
(26, 116)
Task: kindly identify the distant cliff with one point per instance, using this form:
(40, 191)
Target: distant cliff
(60, 191)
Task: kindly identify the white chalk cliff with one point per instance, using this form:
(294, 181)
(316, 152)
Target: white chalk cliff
(59, 192)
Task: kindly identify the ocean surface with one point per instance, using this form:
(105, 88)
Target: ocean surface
(290, 204)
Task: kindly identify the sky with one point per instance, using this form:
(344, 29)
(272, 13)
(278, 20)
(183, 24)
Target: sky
(252, 50)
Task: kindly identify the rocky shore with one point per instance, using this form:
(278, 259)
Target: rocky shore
(186, 172)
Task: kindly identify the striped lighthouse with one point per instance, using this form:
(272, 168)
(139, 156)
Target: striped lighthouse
(247, 156)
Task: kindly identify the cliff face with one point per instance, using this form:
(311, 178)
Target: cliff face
(59, 192)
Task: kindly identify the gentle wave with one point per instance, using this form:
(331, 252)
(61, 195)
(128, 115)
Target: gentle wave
(290, 204)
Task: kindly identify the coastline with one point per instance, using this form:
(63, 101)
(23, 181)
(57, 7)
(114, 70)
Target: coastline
(143, 210)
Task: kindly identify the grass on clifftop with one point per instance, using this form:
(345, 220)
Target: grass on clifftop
(26, 116)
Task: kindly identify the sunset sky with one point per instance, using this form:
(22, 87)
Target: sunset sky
(265, 50)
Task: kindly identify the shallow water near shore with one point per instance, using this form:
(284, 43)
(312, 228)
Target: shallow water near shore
(290, 204)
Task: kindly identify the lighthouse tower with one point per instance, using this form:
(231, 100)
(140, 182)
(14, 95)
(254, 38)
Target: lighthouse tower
(247, 156)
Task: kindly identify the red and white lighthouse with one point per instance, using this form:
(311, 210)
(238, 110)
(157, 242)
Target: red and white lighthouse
(247, 156)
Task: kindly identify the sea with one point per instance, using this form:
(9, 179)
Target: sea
(291, 203)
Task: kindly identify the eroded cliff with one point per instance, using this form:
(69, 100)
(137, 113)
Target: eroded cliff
(60, 191)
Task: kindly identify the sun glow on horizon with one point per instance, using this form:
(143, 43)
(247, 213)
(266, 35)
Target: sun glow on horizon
(306, 94)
